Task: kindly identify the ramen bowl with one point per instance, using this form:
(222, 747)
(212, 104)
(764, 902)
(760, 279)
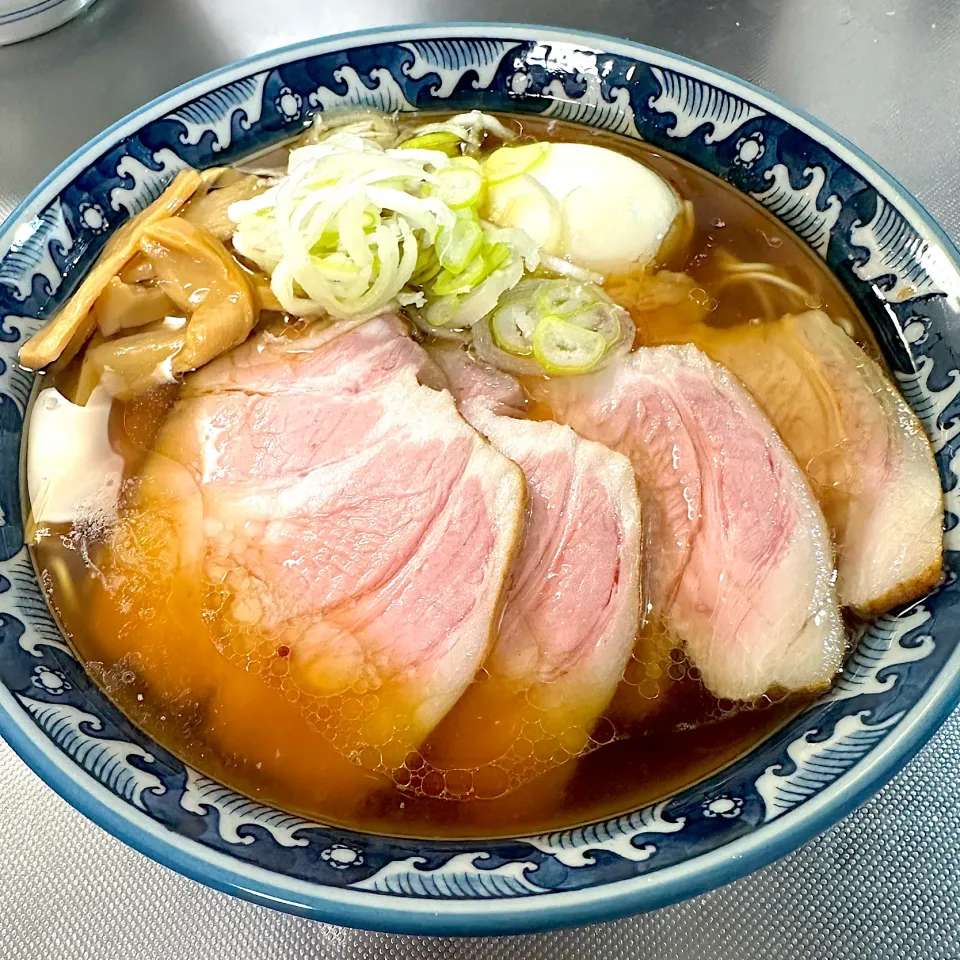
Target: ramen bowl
(899, 682)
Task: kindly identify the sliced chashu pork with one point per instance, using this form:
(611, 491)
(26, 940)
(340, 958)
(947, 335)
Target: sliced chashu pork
(739, 562)
(573, 606)
(861, 446)
(350, 533)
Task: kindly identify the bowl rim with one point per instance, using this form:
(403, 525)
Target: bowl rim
(385, 912)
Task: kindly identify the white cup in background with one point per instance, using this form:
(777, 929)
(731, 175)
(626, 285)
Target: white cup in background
(21, 19)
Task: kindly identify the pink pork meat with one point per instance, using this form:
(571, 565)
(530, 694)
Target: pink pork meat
(740, 565)
(573, 606)
(353, 521)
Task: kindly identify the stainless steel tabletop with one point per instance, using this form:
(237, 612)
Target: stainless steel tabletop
(884, 883)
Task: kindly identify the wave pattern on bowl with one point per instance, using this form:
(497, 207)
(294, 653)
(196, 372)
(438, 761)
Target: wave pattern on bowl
(900, 275)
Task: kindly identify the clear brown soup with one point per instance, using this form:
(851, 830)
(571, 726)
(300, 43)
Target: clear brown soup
(249, 736)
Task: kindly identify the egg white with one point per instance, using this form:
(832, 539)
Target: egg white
(590, 205)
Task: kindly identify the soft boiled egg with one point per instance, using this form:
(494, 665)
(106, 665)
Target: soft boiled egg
(589, 205)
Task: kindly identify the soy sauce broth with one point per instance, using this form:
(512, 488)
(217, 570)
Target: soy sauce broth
(223, 721)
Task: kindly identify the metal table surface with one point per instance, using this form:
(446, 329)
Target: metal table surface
(885, 882)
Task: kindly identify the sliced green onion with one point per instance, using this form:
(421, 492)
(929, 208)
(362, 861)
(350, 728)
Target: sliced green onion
(563, 348)
(457, 246)
(563, 298)
(470, 128)
(464, 282)
(488, 351)
(428, 266)
(460, 185)
(476, 271)
(512, 327)
(465, 310)
(509, 162)
(442, 311)
(448, 143)
(601, 318)
(496, 256)
(448, 284)
(486, 262)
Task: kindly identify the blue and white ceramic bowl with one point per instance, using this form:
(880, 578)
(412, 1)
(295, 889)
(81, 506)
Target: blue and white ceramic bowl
(898, 685)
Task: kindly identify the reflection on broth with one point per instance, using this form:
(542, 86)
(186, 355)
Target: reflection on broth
(335, 588)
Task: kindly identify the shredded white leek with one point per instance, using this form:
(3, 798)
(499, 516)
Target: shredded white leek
(354, 229)
(341, 233)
